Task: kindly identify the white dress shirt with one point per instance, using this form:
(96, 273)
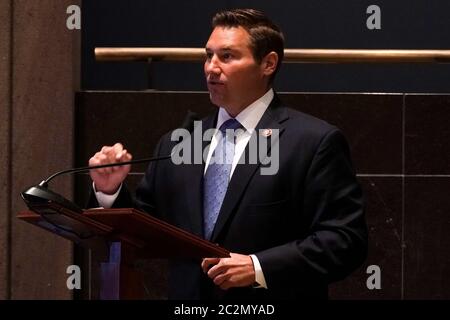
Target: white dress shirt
(248, 118)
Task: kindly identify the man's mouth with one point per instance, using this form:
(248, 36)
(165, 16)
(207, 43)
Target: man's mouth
(215, 82)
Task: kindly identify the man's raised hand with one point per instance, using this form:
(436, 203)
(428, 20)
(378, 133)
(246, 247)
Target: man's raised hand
(108, 180)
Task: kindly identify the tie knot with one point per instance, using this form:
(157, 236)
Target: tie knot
(230, 124)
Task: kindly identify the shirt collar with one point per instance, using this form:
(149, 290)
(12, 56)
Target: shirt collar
(250, 116)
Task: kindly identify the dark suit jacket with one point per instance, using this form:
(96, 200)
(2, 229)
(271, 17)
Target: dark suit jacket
(305, 224)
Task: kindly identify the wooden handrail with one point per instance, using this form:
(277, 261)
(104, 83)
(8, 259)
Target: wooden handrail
(290, 55)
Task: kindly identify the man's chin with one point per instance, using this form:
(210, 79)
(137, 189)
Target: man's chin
(216, 100)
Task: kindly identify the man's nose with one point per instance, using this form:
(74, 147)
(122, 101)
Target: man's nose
(212, 66)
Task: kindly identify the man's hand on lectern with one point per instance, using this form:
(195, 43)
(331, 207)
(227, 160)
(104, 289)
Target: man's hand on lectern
(236, 271)
(108, 180)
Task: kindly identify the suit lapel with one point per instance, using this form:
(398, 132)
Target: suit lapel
(271, 119)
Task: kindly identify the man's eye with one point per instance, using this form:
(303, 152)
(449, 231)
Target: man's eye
(227, 56)
(209, 55)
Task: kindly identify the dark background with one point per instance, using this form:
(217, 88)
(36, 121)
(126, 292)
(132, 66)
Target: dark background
(398, 145)
(402, 168)
(329, 24)
(399, 141)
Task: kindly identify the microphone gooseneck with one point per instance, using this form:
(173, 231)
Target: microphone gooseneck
(45, 182)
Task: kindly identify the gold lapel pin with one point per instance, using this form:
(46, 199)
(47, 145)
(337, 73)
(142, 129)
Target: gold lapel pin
(266, 133)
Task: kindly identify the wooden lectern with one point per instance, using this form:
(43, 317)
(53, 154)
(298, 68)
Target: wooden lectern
(119, 237)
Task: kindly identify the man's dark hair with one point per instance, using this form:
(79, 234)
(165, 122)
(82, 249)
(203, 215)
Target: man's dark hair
(265, 36)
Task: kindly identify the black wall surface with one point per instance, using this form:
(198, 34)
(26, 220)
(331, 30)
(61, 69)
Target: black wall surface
(399, 141)
(399, 149)
(405, 24)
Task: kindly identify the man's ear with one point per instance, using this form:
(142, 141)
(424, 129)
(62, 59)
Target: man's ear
(269, 63)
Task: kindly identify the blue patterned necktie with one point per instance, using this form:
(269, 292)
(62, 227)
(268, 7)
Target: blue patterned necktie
(217, 175)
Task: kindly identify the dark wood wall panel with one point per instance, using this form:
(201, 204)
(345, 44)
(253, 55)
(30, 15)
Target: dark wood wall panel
(384, 218)
(427, 238)
(427, 204)
(371, 123)
(427, 128)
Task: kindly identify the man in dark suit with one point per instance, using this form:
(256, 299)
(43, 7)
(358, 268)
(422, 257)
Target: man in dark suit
(291, 231)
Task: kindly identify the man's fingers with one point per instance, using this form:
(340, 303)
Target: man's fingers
(119, 158)
(207, 262)
(112, 152)
(216, 270)
(117, 148)
(221, 278)
(119, 155)
(118, 145)
(98, 159)
(110, 155)
(124, 156)
(105, 149)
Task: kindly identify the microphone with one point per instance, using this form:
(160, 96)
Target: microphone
(40, 193)
(43, 201)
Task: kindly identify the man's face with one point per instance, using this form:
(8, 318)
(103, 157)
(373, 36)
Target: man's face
(233, 76)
